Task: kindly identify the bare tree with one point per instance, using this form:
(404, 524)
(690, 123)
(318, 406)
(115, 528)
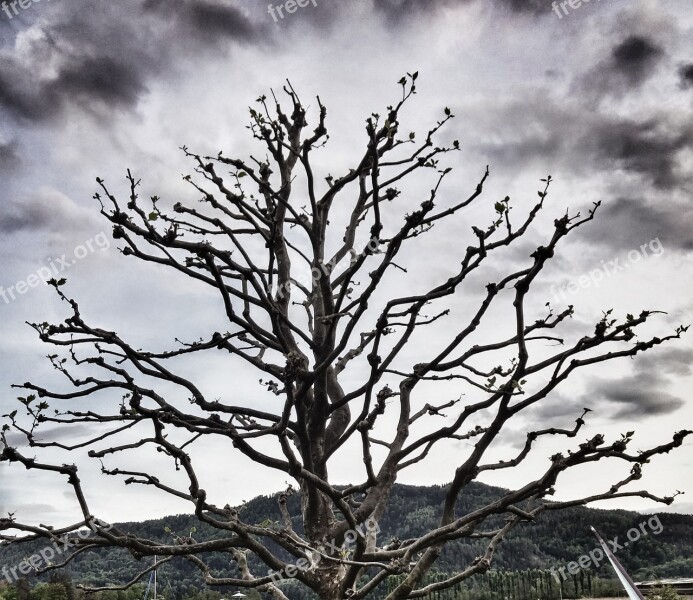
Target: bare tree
(306, 306)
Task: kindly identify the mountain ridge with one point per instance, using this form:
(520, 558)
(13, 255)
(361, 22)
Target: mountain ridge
(663, 548)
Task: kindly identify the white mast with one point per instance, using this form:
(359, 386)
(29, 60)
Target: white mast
(627, 583)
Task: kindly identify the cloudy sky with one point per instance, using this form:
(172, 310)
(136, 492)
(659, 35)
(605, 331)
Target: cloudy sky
(600, 97)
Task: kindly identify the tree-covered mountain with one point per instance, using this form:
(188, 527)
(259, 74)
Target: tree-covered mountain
(664, 547)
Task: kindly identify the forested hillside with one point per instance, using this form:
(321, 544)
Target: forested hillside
(521, 565)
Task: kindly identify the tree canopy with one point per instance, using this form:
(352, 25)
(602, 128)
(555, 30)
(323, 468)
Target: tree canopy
(316, 300)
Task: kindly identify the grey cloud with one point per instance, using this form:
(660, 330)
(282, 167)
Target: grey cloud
(397, 10)
(515, 438)
(400, 9)
(635, 57)
(109, 58)
(650, 148)
(538, 130)
(35, 508)
(558, 406)
(628, 66)
(34, 216)
(330, 13)
(626, 223)
(534, 145)
(65, 434)
(9, 158)
(673, 361)
(639, 395)
(548, 131)
(47, 209)
(535, 7)
(686, 75)
(16, 440)
(20, 98)
(208, 20)
(214, 18)
(4, 492)
(101, 78)
(534, 129)
(111, 81)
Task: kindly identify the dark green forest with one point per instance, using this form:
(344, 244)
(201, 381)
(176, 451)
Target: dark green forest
(521, 568)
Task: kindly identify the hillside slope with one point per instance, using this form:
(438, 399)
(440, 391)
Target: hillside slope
(553, 541)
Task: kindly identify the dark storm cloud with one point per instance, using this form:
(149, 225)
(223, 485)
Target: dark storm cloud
(20, 98)
(106, 57)
(626, 223)
(101, 78)
(650, 148)
(630, 63)
(635, 57)
(207, 20)
(397, 10)
(330, 13)
(686, 75)
(212, 18)
(104, 78)
(535, 7)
